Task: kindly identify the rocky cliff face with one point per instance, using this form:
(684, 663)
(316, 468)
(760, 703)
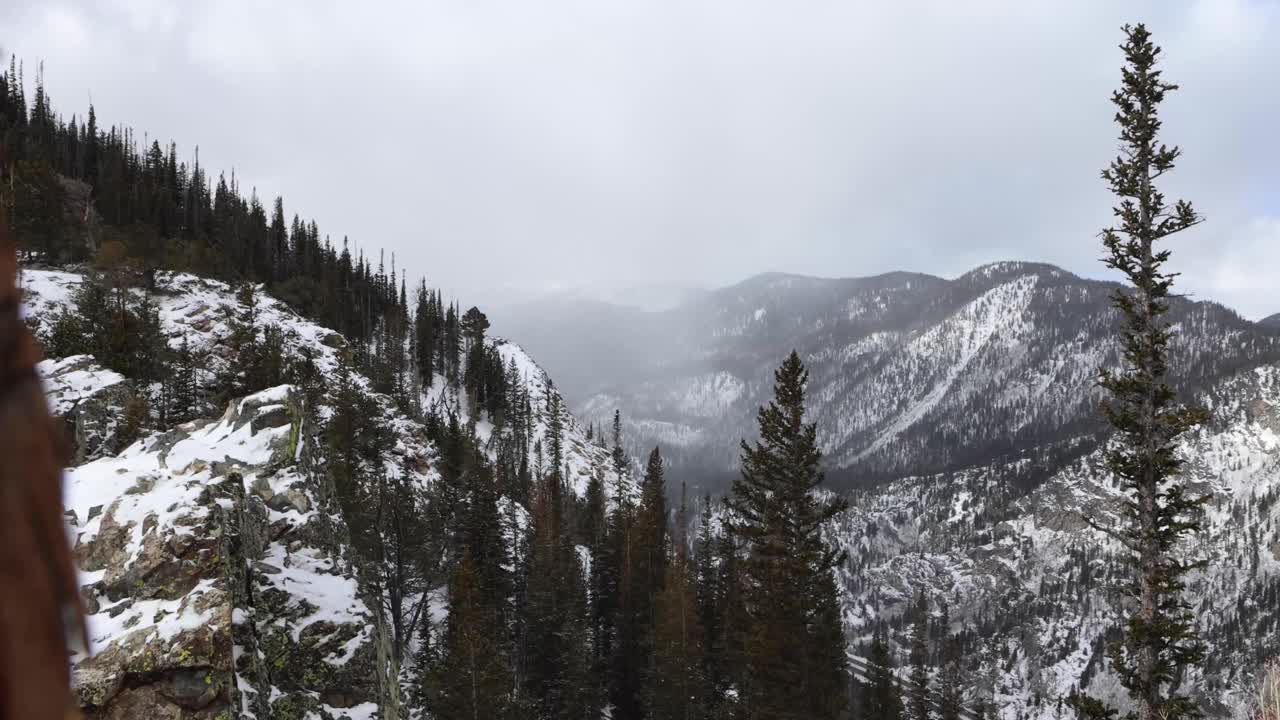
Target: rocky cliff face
(215, 583)
(89, 399)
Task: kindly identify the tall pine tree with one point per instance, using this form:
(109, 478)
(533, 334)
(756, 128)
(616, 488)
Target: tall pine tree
(918, 698)
(881, 697)
(1160, 510)
(788, 585)
(473, 678)
(677, 688)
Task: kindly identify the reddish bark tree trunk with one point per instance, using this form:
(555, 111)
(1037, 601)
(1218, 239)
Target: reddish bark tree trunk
(39, 595)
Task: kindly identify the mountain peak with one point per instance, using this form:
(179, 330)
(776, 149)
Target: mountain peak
(1010, 268)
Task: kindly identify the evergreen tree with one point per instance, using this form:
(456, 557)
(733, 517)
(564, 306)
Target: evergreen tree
(36, 203)
(677, 686)
(473, 327)
(185, 401)
(735, 627)
(425, 323)
(950, 692)
(134, 419)
(267, 360)
(603, 579)
(405, 554)
(642, 575)
(710, 617)
(1161, 510)
(473, 679)
(279, 242)
(482, 535)
(881, 698)
(919, 700)
(619, 455)
(557, 646)
(235, 380)
(651, 532)
(788, 590)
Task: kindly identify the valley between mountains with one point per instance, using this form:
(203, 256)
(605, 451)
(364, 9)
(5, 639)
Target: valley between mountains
(213, 557)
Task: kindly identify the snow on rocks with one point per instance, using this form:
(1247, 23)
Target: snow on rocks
(89, 399)
(201, 580)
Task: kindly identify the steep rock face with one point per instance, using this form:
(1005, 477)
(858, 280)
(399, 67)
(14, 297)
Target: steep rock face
(89, 399)
(209, 595)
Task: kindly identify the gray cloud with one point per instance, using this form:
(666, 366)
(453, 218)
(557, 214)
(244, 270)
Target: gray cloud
(574, 143)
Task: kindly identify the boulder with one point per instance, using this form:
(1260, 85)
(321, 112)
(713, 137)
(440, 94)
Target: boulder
(90, 400)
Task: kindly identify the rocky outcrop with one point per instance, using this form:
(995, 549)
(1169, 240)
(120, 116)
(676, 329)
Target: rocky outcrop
(211, 592)
(89, 399)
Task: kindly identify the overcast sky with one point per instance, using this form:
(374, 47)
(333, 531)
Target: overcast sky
(599, 143)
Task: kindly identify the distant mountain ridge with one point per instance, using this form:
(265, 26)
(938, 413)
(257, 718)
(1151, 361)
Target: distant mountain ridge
(910, 373)
(962, 415)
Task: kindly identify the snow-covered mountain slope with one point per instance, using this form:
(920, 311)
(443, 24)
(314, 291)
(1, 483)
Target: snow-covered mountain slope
(216, 570)
(199, 310)
(1025, 577)
(910, 374)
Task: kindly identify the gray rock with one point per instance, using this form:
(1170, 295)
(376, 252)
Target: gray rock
(144, 484)
(92, 420)
(270, 418)
(290, 500)
(94, 687)
(189, 689)
(262, 488)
